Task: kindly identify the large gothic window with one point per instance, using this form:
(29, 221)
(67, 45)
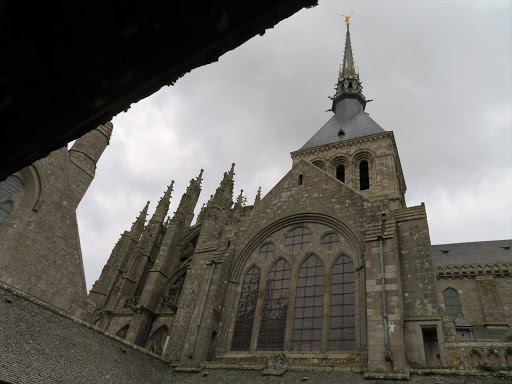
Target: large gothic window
(309, 306)
(275, 307)
(343, 308)
(246, 308)
(452, 302)
(364, 175)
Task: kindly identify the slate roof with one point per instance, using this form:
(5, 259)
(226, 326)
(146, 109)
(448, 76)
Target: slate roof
(480, 251)
(358, 125)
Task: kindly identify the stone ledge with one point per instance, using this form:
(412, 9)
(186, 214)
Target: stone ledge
(387, 376)
(24, 296)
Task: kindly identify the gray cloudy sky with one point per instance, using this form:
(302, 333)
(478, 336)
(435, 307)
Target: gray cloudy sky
(440, 76)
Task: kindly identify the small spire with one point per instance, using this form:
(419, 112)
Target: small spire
(349, 85)
(140, 221)
(258, 196)
(200, 177)
(163, 204)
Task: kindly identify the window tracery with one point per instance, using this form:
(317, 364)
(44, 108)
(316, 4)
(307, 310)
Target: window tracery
(266, 251)
(342, 331)
(275, 307)
(309, 306)
(246, 309)
(331, 241)
(297, 239)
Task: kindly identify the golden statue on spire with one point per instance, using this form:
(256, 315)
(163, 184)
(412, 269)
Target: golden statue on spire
(347, 18)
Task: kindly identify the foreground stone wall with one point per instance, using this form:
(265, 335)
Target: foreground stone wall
(39, 241)
(41, 344)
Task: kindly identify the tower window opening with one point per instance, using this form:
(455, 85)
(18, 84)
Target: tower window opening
(364, 176)
(300, 179)
(340, 173)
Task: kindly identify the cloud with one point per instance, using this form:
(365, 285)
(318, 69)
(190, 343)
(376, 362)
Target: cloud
(440, 77)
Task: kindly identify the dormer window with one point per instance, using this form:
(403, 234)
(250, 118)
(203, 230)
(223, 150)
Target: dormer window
(341, 132)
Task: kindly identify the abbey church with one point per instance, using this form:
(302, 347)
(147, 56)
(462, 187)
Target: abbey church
(330, 270)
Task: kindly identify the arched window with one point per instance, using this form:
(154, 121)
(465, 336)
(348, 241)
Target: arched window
(364, 175)
(246, 308)
(5, 210)
(340, 173)
(156, 342)
(319, 164)
(309, 306)
(342, 335)
(10, 187)
(122, 332)
(275, 307)
(452, 302)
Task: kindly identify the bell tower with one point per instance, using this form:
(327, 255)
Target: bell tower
(351, 146)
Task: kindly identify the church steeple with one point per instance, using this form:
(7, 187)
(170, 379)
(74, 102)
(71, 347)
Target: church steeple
(349, 84)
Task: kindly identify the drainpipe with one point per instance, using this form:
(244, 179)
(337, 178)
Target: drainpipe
(387, 353)
(202, 309)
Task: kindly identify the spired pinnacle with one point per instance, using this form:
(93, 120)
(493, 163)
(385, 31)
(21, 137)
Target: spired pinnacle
(349, 84)
(258, 196)
(138, 225)
(163, 204)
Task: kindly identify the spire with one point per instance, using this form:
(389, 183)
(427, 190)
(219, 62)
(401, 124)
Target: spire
(163, 205)
(258, 196)
(138, 225)
(349, 84)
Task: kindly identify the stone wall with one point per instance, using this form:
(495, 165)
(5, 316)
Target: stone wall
(41, 344)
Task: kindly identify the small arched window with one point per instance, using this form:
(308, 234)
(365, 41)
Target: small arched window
(275, 307)
(244, 322)
(5, 210)
(364, 175)
(156, 342)
(452, 302)
(340, 173)
(342, 335)
(122, 332)
(309, 306)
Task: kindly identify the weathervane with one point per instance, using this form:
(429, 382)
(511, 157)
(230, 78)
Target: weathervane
(347, 18)
(244, 201)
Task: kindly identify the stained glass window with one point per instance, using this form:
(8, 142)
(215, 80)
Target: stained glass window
(266, 251)
(275, 307)
(309, 306)
(331, 241)
(343, 307)
(452, 302)
(246, 308)
(297, 239)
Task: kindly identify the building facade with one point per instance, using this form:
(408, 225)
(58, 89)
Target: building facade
(329, 269)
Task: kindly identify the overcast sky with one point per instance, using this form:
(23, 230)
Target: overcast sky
(439, 73)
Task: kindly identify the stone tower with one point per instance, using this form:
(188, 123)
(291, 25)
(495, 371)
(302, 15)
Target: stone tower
(39, 242)
(351, 146)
